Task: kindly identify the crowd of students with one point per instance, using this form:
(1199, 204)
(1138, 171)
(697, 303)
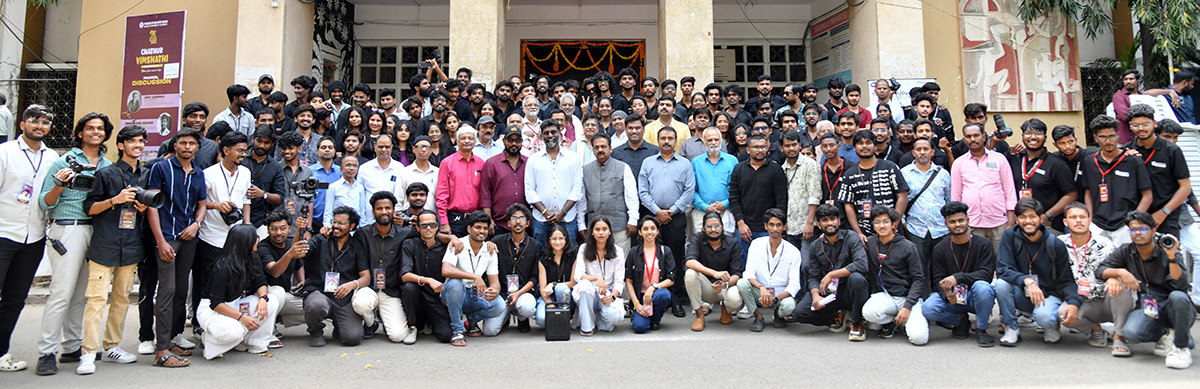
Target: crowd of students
(459, 212)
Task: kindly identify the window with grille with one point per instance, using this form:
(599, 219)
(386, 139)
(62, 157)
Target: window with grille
(391, 64)
(784, 61)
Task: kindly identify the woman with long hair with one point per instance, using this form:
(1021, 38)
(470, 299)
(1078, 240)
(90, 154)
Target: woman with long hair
(723, 122)
(351, 119)
(375, 128)
(885, 112)
(737, 139)
(598, 274)
(649, 273)
(237, 309)
(555, 279)
(441, 147)
(401, 137)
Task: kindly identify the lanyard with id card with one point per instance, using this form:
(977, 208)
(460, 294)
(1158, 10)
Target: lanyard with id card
(332, 276)
(1103, 187)
(128, 218)
(244, 307)
(26, 193)
(514, 282)
(380, 278)
(1149, 305)
(959, 294)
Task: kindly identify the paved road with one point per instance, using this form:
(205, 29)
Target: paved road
(800, 356)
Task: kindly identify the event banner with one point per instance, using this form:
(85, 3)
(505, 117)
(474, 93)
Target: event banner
(153, 65)
(830, 43)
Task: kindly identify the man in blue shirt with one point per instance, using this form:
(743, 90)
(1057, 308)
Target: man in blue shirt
(712, 171)
(666, 186)
(928, 191)
(1185, 111)
(327, 172)
(847, 125)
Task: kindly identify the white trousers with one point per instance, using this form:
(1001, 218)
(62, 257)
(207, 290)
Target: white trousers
(882, 308)
(222, 333)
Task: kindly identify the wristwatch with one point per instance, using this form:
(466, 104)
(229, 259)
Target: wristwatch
(265, 297)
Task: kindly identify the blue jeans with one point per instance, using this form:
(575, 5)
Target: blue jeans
(541, 231)
(1176, 313)
(980, 299)
(458, 302)
(662, 301)
(746, 245)
(562, 293)
(1010, 298)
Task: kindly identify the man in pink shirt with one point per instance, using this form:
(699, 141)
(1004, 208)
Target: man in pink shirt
(1120, 101)
(983, 179)
(458, 184)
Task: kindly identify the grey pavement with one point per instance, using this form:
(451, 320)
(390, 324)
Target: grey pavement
(799, 356)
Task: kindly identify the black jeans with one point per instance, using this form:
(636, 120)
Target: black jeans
(170, 298)
(925, 246)
(852, 293)
(147, 284)
(424, 306)
(18, 264)
(206, 255)
(457, 222)
(674, 235)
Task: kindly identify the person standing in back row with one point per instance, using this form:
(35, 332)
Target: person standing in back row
(983, 180)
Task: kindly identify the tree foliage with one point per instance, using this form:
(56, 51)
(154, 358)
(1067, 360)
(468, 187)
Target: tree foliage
(1171, 23)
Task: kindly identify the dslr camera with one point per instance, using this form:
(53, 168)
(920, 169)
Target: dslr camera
(233, 217)
(1167, 241)
(437, 56)
(150, 198)
(76, 180)
(1002, 128)
(307, 188)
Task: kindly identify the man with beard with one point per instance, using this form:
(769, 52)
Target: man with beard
(714, 265)
(764, 92)
(302, 87)
(360, 95)
(1169, 175)
(870, 184)
(381, 173)
(309, 139)
(440, 101)
(1043, 176)
(811, 135)
(885, 147)
(283, 123)
(294, 172)
(387, 101)
(420, 170)
(635, 151)
(553, 185)
(195, 116)
(960, 273)
(1184, 82)
(906, 134)
(650, 90)
(541, 87)
(833, 168)
(326, 171)
(847, 126)
(336, 105)
(502, 181)
(336, 266)
(941, 147)
(803, 191)
(1069, 150)
(602, 197)
(471, 111)
(941, 115)
(983, 179)
(282, 259)
(266, 176)
(466, 293)
(266, 84)
(227, 186)
(1113, 182)
(237, 115)
(517, 255)
(713, 169)
(835, 268)
(531, 142)
(755, 186)
(1034, 275)
(1120, 101)
(853, 96)
(503, 93)
(694, 146)
(762, 127)
(835, 104)
(458, 185)
(627, 78)
(795, 103)
(734, 95)
(666, 118)
(416, 195)
(487, 147)
(885, 95)
(929, 191)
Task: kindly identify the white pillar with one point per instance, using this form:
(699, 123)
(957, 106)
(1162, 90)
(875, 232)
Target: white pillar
(685, 36)
(11, 50)
(477, 39)
(273, 37)
(882, 46)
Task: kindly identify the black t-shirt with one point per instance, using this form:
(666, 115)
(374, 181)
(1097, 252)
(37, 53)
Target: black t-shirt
(754, 191)
(558, 272)
(1125, 178)
(268, 253)
(519, 259)
(1049, 179)
(325, 256)
(1166, 166)
(879, 185)
(831, 183)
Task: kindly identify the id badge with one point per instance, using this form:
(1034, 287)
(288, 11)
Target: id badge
(833, 285)
(128, 217)
(1149, 305)
(514, 282)
(960, 294)
(380, 279)
(1084, 286)
(830, 202)
(291, 206)
(866, 209)
(25, 194)
(1104, 193)
(771, 291)
(1026, 193)
(331, 281)
(303, 161)
(244, 308)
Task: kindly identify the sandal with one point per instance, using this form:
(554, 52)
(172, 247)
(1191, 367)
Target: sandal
(180, 351)
(458, 341)
(171, 360)
(1098, 339)
(1120, 349)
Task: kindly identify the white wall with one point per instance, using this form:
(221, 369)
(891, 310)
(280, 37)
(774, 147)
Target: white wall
(774, 20)
(62, 31)
(1092, 49)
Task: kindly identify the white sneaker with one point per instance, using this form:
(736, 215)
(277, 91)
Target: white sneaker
(146, 348)
(87, 364)
(1011, 337)
(183, 342)
(116, 354)
(1052, 335)
(7, 363)
(411, 336)
(1179, 358)
(241, 347)
(744, 314)
(1165, 344)
(256, 349)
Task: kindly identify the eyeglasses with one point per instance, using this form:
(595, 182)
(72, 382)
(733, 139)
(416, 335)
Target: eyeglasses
(812, 114)
(426, 226)
(557, 238)
(517, 219)
(881, 222)
(1034, 133)
(761, 128)
(1141, 125)
(339, 223)
(439, 100)
(712, 227)
(1139, 230)
(1105, 137)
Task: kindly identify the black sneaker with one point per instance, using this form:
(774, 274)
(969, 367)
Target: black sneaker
(985, 339)
(779, 322)
(46, 365)
(71, 357)
(316, 340)
(887, 331)
(369, 331)
(523, 326)
(677, 310)
(655, 326)
(963, 329)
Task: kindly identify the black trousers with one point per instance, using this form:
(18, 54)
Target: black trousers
(925, 246)
(424, 306)
(674, 235)
(147, 284)
(852, 293)
(170, 308)
(206, 255)
(18, 264)
(457, 222)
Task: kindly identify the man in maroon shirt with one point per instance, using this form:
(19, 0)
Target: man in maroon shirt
(503, 180)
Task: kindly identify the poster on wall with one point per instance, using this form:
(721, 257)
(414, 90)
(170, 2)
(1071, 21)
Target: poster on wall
(830, 45)
(1011, 65)
(152, 83)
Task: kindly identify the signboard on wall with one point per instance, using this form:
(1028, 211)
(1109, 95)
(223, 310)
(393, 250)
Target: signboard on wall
(152, 75)
(724, 69)
(901, 95)
(830, 45)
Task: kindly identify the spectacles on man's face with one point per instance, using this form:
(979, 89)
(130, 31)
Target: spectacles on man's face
(761, 128)
(1141, 125)
(881, 222)
(426, 226)
(517, 219)
(1105, 138)
(1139, 230)
(712, 227)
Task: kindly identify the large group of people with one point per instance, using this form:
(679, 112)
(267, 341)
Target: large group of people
(460, 212)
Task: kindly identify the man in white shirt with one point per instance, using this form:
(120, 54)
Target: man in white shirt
(465, 292)
(236, 115)
(6, 120)
(887, 96)
(348, 191)
(419, 171)
(772, 276)
(227, 183)
(487, 147)
(553, 184)
(381, 173)
(24, 163)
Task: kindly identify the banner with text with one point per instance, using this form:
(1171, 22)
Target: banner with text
(830, 42)
(151, 82)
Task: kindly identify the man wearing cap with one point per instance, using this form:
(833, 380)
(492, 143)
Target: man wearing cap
(337, 92)
(266, 84)
(487, 147)
(502, 182)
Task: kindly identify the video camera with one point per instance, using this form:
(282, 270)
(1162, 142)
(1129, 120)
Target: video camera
(307, 188)
(1002, 128)
(76, 180)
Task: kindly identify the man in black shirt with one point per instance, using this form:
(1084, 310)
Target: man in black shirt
(336, 269)
(1041, 175)
(900, 282)
(923, 128)
(517, 261)
(885, 147)
(266, 176)
(870, 184)
(836, 87)
(1168, 170)
(764, 94)
(1159, 276)
(1114, 183)
(714, 262)
(282, 259)
(1034, 275)
(421, 274)
(835, 268)
(960, 276)
(755, 186)
(1068, 149)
